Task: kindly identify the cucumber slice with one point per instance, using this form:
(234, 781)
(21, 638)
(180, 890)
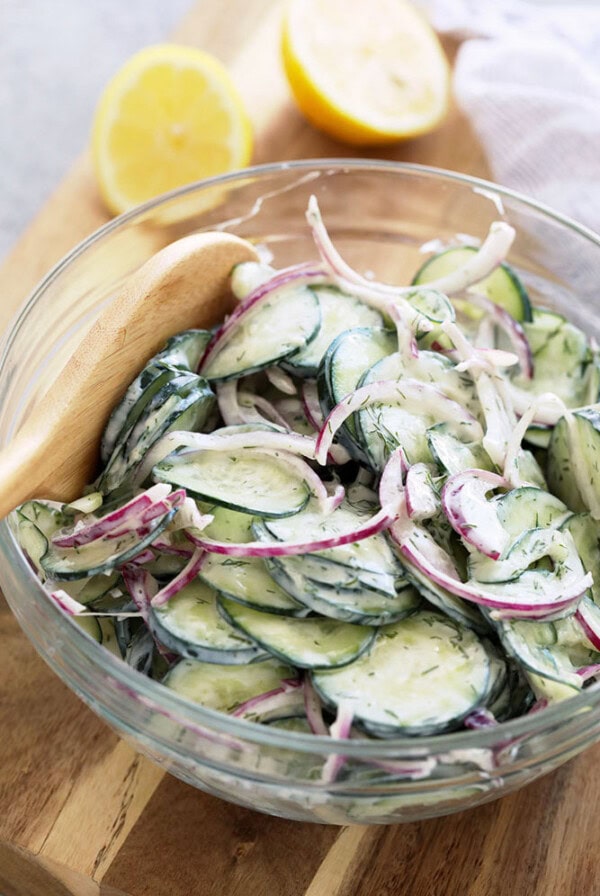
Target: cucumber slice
(244, 579)
(224, 688)
(573, 461)
(528, 507)
(191, 625)
(342, 367)
(103, 554)
(185, 349)
(305, 643)
(276, 329)
(329, 574)
(339, 312)
(183, 403)
(125, 415)
(586, 535)
(502, 286)
(252, 483)
(454, 456)
(348, 605)
(422, 675)
(247, 581)
(549, 653)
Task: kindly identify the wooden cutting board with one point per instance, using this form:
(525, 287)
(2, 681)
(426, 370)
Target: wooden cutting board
(82, 814)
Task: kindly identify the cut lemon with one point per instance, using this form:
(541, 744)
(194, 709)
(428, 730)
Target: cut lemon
(171, 115)
(366, 73)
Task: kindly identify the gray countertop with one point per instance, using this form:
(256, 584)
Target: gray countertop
(55, 58)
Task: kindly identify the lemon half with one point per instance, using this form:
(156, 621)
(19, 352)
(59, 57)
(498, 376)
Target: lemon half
(171, 115)
(367, 72)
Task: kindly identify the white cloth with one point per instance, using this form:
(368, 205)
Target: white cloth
(528, 77)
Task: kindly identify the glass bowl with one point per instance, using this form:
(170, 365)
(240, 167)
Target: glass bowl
(380, 215)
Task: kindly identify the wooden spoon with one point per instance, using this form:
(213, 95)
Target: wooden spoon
(55, 453)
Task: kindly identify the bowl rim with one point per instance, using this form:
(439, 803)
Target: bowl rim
(154, 694)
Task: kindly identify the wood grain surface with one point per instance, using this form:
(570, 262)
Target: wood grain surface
(81, 814)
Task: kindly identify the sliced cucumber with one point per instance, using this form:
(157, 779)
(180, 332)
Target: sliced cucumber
(502, 286)
(190, 625)
(550, 651)
(372, 554)
(249, 482)
(574, 460)
(226, 687)
(339, 312)
(348, 605)
(276, 329)
(305, 643)
(185, 349)
(422, 675)
(342, 367)
(185, 402)
(454, 456)
(103, 554)
(586, 535)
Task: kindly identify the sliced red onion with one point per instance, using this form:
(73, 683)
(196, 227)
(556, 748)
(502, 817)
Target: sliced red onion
(499, 419)
(549, 408)
(407, 344)
(407, 392)
(589, 623)
(587, 672)
(281, 380)
(300, 274)
(142, 587)
(147, 556)
(480, 718)
(312, 409)
(422, 501)
(511, 467)
(419, 549)
(67, 604)
(377, 523)
(277, 699)
(340, 730)
(164, 544)
(313, 709)
(122, 517)
(491, 253)
(188, 517)
(229, 406)
(471, 515)
(412, 769)
(187, 575)
(511, 327)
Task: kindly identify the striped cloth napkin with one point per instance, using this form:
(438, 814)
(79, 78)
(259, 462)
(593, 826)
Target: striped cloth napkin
(527, 75)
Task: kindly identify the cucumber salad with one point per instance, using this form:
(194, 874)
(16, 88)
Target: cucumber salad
(352, 508)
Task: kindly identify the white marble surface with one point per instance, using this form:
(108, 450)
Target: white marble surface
(55, 57)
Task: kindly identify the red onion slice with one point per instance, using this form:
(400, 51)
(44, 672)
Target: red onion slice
(122, 518)
(187, 574)
(511, 327)
(377, 523)
(419, 549)
(405, 393)
(471, 515)
(277, 699)
(340, 730)
(314, 709)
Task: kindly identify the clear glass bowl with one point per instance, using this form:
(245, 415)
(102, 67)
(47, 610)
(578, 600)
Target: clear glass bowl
(380, 216)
